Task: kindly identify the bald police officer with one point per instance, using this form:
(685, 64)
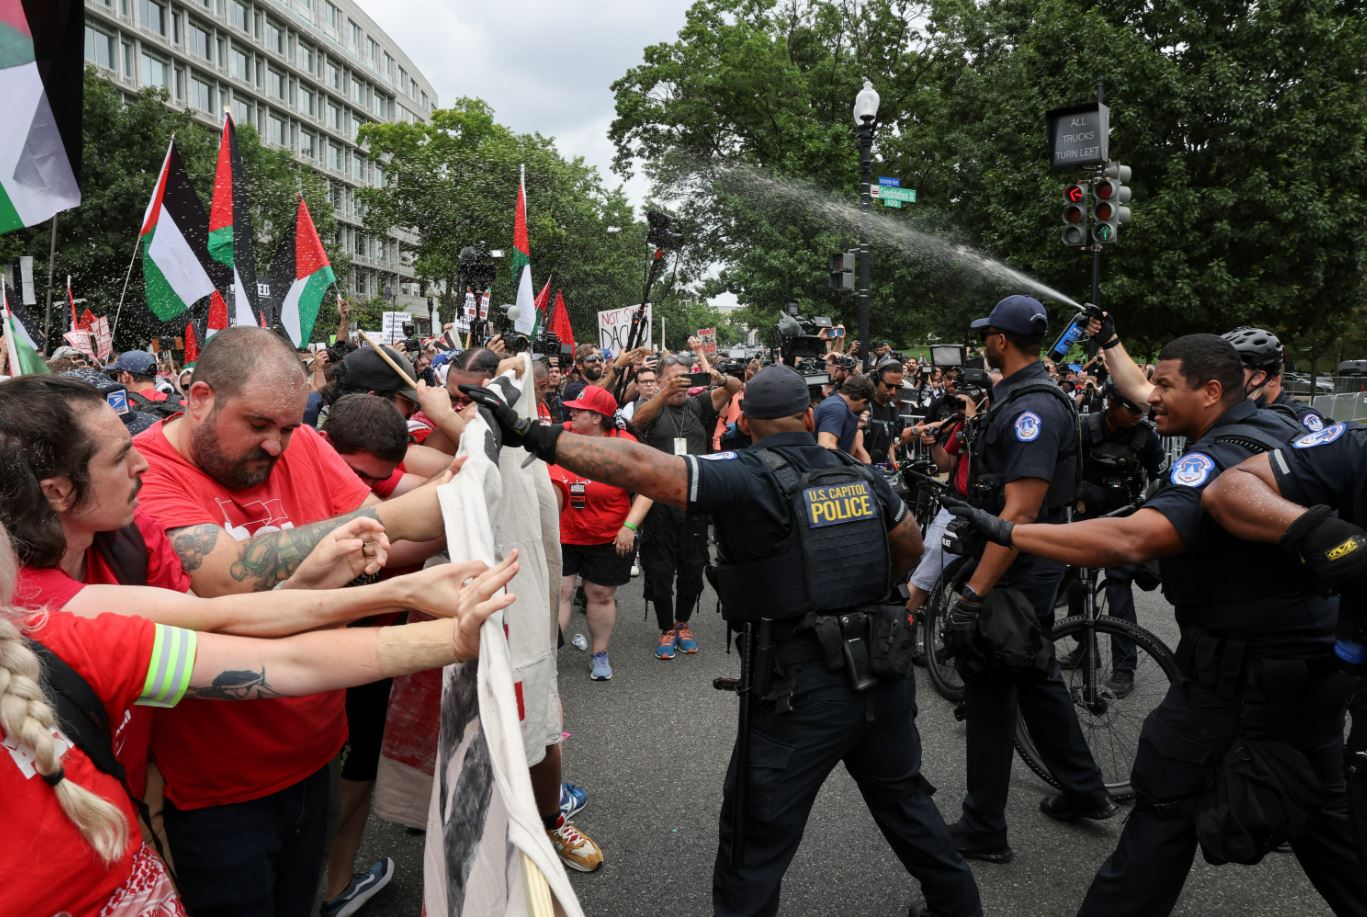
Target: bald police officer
(808, 540)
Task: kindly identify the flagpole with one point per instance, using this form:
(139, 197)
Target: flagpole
(47, 311)
(137, 244)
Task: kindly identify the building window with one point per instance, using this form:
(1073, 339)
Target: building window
(335, 156)
(353, 35)
(304, 57)
(376, 175)
(242, 111)
(198, 41)
(373, 47)
(275, 83)
(334, 116)
(389, 68)
(99, 48)
(275, 37)
(240, 65)
(128, 59)
(358, 168)
(240, 15)
(332, 20)
(306, 9)
(357, 91)
(275, 129)
(152, 71)
(333, 74)
(377, 105)
(425, 106)
(307, 101)
(152, 15)
(308, 144)
(201, 95)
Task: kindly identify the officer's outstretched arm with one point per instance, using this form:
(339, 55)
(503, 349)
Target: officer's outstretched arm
(1247, 502)
(1146, 535)
(630, 466)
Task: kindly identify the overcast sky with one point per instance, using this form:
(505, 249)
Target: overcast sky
(544, 65)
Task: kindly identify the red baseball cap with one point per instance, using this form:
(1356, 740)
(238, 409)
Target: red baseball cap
(595, 398)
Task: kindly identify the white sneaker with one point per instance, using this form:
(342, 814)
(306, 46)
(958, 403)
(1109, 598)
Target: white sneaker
(635, 570)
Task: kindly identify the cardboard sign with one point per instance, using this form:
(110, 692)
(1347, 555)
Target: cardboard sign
(614, 328)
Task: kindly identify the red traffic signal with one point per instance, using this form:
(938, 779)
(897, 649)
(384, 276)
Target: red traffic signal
(1105, 211)
(1075, 193)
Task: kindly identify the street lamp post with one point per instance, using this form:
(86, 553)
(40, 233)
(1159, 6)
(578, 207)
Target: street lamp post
(865, 117)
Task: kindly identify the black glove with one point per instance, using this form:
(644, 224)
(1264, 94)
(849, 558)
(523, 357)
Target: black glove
(962, 643)
(996, 529)
(1105, 336)
(536, 437)
(1334, 550)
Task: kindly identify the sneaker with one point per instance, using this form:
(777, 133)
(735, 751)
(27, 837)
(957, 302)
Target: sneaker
(580, 642)
(1065, 807)
(1121, 684)
(363, 887)
(669, 641)
(576, 851)
(974, 850)
(573, 800)
(599, 668)
(687, 645)
(635, 570)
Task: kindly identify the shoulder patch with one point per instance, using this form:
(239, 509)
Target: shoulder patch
(718, 456)
(1312, 422)
(1192, 469)
(1028, 427)
(1320, 437)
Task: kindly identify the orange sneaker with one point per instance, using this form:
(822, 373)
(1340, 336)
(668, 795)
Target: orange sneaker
(668, 641)
(687, 645)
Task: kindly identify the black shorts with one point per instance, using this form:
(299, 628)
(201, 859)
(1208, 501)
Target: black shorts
(596, 563)
(366, 710)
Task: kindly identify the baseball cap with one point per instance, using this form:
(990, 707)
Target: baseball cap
(594, 398)
(775, 391)
(1018, 314)
(137, 362)
(69, 352)
(366, 369)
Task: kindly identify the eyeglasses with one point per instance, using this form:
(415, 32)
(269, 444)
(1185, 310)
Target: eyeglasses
(986, 333)
(593, 359)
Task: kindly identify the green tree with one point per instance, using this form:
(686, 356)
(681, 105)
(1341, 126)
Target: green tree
(125, 142)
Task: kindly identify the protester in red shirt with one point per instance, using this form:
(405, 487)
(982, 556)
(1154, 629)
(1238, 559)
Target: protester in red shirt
(245, 492)
(72, 842)
(598, 525)
(136, 370)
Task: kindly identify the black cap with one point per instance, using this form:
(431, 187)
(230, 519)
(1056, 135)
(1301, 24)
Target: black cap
(137, 362)
(365, 369)
(775, 391)
(1018, 314)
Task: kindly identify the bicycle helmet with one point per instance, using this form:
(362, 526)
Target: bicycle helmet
(1258, 349)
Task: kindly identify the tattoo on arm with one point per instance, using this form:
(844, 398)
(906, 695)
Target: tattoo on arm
(270, 559)
(631, 466)
(236, 685)
(193, 544)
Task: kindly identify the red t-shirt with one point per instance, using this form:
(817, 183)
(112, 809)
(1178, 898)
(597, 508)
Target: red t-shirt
(594, 511)
(215, 753)
(50, 588)
(383, 489)
(47, 864)
(953, 446)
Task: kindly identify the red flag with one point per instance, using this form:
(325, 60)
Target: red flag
(560, 321)
(218, 315)
(543, 301)
(87, 322)
(75, 322)
(191, 345)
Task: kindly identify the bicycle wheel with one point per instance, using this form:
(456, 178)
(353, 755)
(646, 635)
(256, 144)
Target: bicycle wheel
(1110, 722)
(944, 678)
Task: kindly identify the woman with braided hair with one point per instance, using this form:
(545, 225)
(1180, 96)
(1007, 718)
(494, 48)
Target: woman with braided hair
(71, 838)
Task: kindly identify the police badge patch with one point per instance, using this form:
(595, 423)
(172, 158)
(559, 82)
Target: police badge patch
(1322, 438)
(1192, 469)
(1312, 423)
(1028, 427)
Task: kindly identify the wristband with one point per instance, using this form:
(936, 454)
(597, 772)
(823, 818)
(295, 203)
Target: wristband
(968, 595)
(628, 525)
(1113, 342)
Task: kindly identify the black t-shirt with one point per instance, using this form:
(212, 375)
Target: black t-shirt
(693, 422)
(885, 426)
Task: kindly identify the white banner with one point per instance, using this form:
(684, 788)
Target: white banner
(614, 328)
(392, 330)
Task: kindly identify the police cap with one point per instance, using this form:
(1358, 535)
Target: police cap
(776, 391)
(1018, 314)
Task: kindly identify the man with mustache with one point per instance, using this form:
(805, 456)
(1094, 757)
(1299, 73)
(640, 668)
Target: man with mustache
(244, 491)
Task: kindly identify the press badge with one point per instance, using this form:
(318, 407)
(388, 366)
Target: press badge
(118, 400)
(578, 494)
(837, 504)
(680, 445)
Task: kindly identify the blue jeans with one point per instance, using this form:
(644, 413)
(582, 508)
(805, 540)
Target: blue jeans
(253, 859)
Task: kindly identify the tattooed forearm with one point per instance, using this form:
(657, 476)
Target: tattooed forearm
(193, 544)
(631, 466)
(236, 685)
(268, 560)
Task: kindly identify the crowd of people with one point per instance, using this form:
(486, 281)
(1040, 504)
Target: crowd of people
(142, 506)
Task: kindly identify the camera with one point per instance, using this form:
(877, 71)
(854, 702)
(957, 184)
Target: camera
(661, 233)
(799, 336)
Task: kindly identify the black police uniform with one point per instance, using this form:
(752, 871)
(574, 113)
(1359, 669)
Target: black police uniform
(1030, 435)
(1237, 603)
(791, 752)
(1330, 467)
(1309, 418)
(674, 541)
(1114, 469)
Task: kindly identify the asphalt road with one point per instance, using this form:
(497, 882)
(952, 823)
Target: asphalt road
(651, 747)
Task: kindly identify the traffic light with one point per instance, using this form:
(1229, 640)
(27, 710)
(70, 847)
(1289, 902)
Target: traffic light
(1075, 214)
(842, 270)
(1110, 211)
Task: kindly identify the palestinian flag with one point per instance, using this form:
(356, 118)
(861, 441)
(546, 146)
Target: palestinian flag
(41, 72)
(230, 229)
(522, 262)
(173, 238)
(190, 354)
(560, 321)
(543, 302)
(23, 337)
(300, 269)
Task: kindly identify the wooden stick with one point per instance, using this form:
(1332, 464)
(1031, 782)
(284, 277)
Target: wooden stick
(538, 890)
(390, 360)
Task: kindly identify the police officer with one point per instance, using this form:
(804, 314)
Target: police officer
(1288, 498)
(1025, 466)
(1245, 611)
(1121, 453)
(1263, 355)
(809, 539)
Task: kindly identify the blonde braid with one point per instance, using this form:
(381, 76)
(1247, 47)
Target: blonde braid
(26, 717)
